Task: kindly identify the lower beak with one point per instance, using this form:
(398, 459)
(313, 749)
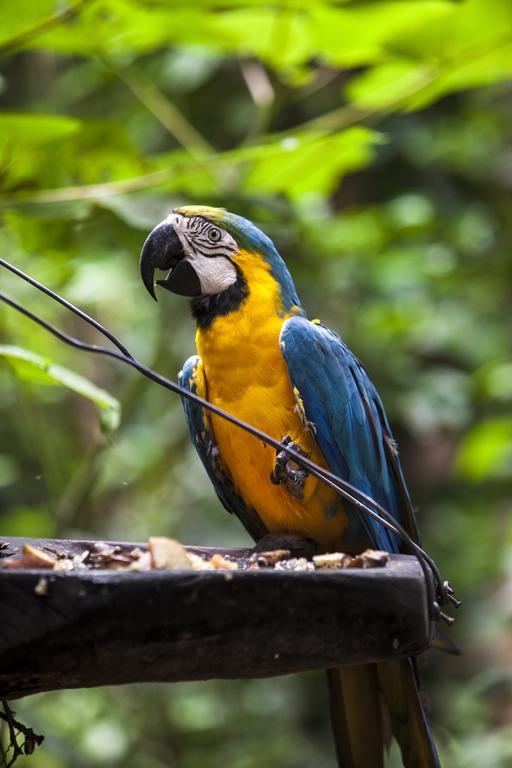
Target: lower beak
(163, 250)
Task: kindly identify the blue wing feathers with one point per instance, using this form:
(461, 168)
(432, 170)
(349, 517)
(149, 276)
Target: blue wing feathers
(351, 427)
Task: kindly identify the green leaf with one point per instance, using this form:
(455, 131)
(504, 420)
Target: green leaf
(494, 380)
(28, 143)
(289, 36)
(285, 36)
(469, 47)
(391, 83)
(52, 150)
(280, 36)
(17, 17)
(487, 450)
(35, 369)
(308, 161)
(118, 28)
(35, 130)
(406, 85)
(368, 32)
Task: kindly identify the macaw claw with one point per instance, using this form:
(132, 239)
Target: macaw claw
(287, 470)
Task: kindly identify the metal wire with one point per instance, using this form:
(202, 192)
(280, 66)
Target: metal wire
(65, 303)
(360, 500)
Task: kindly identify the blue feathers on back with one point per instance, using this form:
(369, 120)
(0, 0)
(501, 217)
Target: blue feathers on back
(350, 425)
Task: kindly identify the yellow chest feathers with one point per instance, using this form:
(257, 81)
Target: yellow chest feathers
(242, 361)
(247, 376)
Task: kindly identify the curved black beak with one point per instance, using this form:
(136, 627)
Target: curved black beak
(162, 250)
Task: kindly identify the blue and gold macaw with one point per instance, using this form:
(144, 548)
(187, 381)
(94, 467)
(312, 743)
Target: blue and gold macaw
(261, 359)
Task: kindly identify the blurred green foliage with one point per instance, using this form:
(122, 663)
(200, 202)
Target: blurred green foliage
(371, 140)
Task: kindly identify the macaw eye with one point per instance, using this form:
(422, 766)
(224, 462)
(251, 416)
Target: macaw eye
(214, 235)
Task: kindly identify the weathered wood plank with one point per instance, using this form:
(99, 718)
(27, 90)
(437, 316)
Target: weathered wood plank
(107, 627)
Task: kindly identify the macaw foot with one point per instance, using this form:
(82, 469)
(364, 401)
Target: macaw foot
(286, 470)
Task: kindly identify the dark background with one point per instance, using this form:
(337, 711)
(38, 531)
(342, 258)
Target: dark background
(371, 140)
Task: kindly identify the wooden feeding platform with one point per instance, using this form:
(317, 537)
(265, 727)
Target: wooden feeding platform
(90, 627)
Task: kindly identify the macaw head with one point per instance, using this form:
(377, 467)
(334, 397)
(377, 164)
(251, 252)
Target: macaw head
(212, 256)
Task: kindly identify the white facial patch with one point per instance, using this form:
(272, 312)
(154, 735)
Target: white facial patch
(215, 274)
(209, 249)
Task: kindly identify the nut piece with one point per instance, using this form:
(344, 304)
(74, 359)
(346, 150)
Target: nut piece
(295, 564)
(32, 557)
(41, 559)
(141, 560)
(270, 558)
(332, 560)
(110, 557)
(370, 558)
(168, 553)
(221, 563)
(198, 563)
(41, 588)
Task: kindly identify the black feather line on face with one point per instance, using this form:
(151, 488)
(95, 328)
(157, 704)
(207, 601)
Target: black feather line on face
(206, 308)
(195, 233)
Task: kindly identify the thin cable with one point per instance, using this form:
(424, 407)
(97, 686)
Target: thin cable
(356, 497)
(65, 303)
(332, 480)
(169, 384)
(175, 387)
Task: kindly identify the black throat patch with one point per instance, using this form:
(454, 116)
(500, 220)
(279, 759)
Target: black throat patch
(206, 308)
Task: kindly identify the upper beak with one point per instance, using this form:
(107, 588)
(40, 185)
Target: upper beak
(162, 250)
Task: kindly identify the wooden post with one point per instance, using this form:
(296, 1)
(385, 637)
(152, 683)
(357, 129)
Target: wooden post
(91, 627)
